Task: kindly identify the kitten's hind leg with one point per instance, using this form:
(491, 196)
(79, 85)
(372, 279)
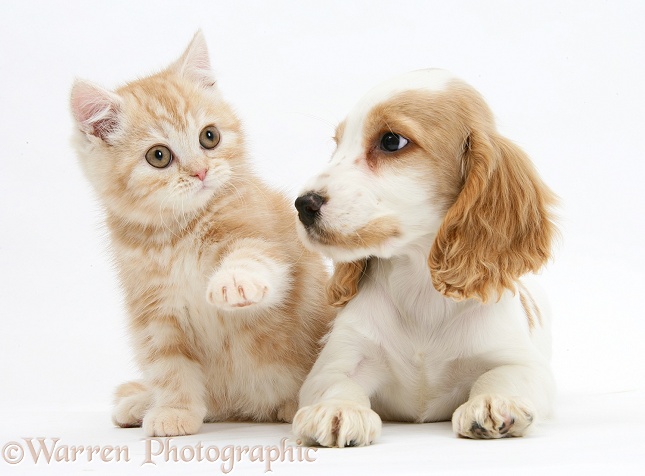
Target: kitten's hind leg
(131, 401)
(287, 410)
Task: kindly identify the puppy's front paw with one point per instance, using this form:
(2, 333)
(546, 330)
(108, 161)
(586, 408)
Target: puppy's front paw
(237, 287)
(337, 423)
(493, 416)
(170, 421)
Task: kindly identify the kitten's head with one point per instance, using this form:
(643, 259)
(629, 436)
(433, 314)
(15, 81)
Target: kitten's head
(159, 148)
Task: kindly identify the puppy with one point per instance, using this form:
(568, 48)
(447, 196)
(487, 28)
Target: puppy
(431, 217)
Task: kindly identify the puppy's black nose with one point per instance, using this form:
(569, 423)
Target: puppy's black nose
(308, 206)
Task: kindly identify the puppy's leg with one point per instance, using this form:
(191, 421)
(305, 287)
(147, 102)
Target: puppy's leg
(337, 423)
(335, 405)
(505, 401)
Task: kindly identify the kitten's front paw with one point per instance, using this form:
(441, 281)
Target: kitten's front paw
(170, 421)
(337, 423)
(492, 416)
(235, 288)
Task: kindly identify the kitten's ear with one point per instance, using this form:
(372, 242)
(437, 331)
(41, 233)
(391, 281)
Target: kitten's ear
(195, 63)
(95, 109)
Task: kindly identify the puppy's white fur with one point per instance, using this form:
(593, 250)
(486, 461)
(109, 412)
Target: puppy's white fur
(435, 327)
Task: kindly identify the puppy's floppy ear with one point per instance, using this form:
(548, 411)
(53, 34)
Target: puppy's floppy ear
(500, 225)
(343, 285)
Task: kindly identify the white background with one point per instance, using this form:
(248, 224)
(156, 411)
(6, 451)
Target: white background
(564, 78)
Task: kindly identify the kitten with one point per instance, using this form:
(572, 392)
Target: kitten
(226, 308)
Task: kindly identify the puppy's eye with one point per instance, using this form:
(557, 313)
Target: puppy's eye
(391, 142)
(209, 137)
(159, 156)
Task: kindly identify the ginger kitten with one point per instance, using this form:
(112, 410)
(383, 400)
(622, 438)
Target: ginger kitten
(226, 308)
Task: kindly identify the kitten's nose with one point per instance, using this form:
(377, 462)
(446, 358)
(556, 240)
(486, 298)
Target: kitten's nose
(201, 174)
(308, 206)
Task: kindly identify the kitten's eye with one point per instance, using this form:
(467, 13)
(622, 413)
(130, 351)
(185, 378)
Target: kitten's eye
(391, 142)
(209, 137)
(159, 156)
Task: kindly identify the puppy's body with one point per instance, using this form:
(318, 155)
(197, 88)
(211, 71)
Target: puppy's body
(420, 353)
(431, 217)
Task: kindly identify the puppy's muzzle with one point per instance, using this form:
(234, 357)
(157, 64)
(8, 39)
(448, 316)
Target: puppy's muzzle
(308, 207)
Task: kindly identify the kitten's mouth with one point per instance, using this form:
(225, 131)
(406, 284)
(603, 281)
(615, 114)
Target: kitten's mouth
(201, 192)
(203, 185)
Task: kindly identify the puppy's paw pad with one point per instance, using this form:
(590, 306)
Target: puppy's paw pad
(493, 416)
(337, 423)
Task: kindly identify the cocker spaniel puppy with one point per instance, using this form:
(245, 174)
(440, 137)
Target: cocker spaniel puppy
(431, 217)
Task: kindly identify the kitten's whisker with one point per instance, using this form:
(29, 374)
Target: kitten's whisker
(253, 183)
(183, 213)
(161, 213)
(231, 186)
(167, 199)
(181, 219)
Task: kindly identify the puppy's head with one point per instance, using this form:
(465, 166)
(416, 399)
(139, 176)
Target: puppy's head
(419, 160)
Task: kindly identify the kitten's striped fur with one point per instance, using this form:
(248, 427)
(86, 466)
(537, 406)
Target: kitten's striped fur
(226, 307)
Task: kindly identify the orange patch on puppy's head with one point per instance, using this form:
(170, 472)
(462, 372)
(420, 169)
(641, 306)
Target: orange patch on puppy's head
(431, 162)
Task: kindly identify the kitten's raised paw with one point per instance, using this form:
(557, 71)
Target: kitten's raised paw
(170, 421)
(236, 288)
(492, 416)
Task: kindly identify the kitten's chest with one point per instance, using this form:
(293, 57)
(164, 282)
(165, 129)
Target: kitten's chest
(172, 273)
(175, 262)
